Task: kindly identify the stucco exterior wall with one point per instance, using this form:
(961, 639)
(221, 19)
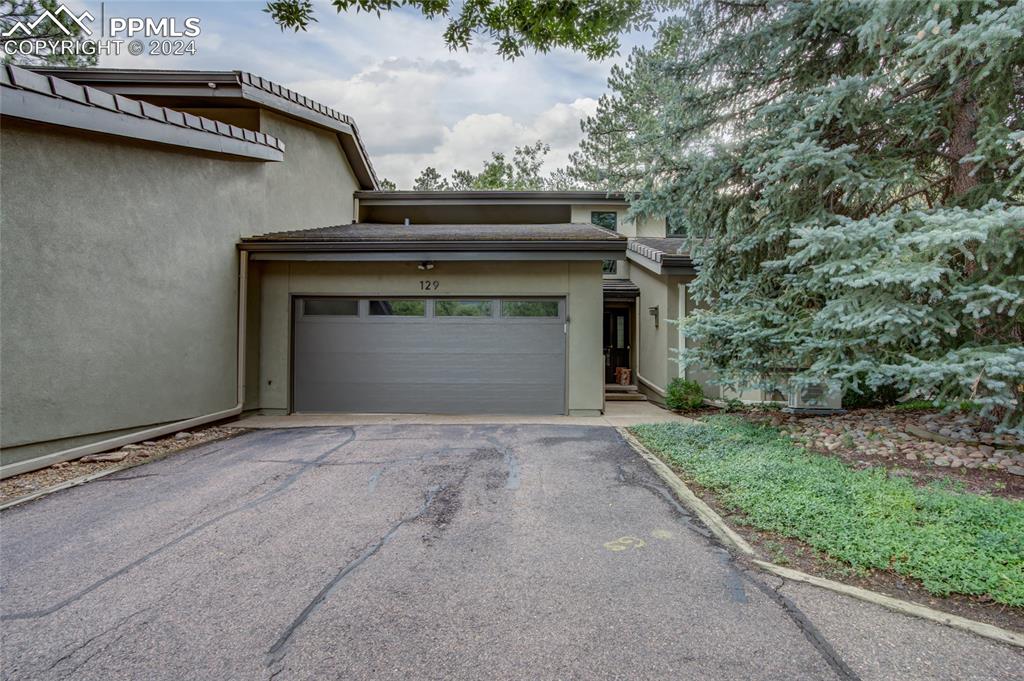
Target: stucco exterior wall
(706, 377)
(581, 213)
(646, 226)
(120, 274)
(579, 282)
(650, 227)
(695, 373)
(653, 341)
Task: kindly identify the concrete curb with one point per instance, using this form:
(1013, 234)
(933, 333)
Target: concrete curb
(730, 538)
(75, 482)
(715, 523)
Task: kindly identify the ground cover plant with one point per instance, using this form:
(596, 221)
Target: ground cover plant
(952, 542)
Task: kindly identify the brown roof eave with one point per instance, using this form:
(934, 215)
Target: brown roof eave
(610, 246)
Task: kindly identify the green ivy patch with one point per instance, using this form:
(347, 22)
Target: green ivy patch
(952, 542)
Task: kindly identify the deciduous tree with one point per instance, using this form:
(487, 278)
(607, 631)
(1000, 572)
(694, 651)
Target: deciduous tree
(588, 26)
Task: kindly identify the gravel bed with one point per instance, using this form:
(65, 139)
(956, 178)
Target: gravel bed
(925, 446)
(29, 483)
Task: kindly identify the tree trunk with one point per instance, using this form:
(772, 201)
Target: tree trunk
(962, 141)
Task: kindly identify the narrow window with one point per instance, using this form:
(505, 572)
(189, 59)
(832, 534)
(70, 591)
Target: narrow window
(330, 307)
(529, 308)
(398, 308)
(462, 308)
(608, 219)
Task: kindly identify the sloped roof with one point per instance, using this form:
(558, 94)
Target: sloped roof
(47, 99)
(488, 196)
(619, 289)
(666, 250)
(365, 236)
(226, 85)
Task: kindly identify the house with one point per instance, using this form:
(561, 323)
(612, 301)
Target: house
(183, 246)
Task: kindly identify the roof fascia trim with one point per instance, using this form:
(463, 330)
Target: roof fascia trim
(421, 256)
(603, 247)
(33, 106)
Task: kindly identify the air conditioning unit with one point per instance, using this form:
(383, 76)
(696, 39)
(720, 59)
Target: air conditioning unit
(814, 399)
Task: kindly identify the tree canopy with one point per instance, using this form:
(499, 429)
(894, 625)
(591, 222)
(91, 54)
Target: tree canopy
(521, 172)
(588, 26)
(851, 176)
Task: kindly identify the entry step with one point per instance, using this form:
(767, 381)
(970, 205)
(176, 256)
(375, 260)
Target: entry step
(623, 393)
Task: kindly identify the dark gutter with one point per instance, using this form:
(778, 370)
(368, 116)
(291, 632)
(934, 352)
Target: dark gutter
(610, 246)
(372, 198)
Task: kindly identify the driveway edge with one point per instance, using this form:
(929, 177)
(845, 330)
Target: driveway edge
(75, 482)
(732, 539)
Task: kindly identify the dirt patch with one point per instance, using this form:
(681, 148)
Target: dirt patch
(794, 553)
(151, 450)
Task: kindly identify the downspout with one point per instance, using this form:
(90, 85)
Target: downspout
(167, 428)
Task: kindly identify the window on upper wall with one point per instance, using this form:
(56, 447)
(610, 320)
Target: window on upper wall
(608, 219)
(674, 227)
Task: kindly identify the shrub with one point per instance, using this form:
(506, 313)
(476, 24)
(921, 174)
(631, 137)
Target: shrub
(863, 396)
(684, 394)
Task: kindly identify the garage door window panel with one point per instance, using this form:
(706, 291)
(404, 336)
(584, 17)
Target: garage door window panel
(464, 309)
(398, 307)
(530, 309)
(330, 307)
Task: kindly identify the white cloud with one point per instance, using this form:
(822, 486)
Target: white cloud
(399, 105)
(470, 141)
(416, 102)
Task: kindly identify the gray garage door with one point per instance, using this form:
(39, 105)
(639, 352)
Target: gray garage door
(439, 356)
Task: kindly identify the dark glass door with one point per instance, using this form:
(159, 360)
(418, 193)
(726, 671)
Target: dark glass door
(616, 341)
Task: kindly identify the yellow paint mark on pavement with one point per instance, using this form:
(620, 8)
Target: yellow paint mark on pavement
(624, 543)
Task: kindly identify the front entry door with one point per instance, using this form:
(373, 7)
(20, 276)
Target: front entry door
(616, 341)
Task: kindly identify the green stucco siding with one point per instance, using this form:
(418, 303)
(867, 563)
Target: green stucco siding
(120, 275)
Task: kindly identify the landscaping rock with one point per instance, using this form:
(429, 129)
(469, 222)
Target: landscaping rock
(1015, 470)
(120, 455)
(183, 435)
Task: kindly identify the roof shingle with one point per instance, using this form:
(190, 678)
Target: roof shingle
(369, 232)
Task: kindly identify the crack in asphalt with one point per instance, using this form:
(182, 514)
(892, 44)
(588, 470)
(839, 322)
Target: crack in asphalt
(512, 470)
(806, 627)
(803, 623)
(277, 651)
(126, 479)
(120, 623)
(387, 464)
(285, 484)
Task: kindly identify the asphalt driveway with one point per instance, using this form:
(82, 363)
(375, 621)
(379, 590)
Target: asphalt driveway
(392, 552)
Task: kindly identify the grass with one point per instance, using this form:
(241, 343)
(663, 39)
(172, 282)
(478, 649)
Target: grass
(951, 542)
(929, 405)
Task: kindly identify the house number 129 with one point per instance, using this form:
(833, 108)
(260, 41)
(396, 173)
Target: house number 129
(427, 285)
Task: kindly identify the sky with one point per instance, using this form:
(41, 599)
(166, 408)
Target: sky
(416, 103)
